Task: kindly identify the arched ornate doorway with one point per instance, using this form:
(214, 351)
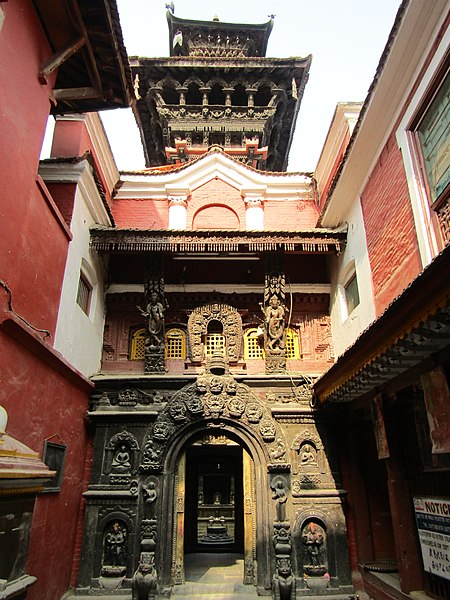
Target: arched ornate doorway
(215, 405)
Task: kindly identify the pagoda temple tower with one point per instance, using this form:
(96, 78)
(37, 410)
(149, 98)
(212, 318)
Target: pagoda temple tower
(218, 87)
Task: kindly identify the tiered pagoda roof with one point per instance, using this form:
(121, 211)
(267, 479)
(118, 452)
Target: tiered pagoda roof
(217, 87)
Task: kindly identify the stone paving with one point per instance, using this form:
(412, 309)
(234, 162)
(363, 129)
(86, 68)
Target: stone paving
(215, 577)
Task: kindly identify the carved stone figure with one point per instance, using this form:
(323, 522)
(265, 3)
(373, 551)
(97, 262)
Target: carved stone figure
(154, 313)
(307, 455)
(121, 460)
(313, 538)
(150, 493)
(144, 584)
(114, 544)
(282, 539)
(274, 321)
(283, 580)
(278, 486)
(278, 451)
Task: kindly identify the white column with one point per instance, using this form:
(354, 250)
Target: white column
(177, 212)
(254, 214)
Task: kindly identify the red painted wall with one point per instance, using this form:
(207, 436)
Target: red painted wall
(41, 403)
(42, 398)
(289, 215)
(216, 216)
(71, 139)
(391, 237)
(29, 233)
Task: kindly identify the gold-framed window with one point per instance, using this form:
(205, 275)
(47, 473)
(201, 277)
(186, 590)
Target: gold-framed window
(214, 343)
(137, 350)
(253, 349)
(175, 343)
(292, 344)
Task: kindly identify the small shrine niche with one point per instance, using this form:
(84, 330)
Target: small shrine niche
(216, 511)
(215, 328)
(121, 457)
(115, 548)
(308, 457)
(313, 540)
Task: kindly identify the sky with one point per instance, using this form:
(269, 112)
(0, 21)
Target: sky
(345, 37)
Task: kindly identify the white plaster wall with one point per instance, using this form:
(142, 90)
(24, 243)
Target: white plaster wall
(346, 328)
(79, 336)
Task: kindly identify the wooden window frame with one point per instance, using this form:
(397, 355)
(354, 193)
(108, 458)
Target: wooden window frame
(84, 285)
(348, 299)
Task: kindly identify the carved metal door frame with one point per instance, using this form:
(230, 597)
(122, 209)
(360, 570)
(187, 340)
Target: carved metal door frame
(178, 521)
(249, 507)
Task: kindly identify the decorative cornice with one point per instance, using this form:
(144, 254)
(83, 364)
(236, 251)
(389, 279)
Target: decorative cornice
(131, 240)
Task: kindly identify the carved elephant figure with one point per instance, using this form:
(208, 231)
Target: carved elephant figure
(144, 584)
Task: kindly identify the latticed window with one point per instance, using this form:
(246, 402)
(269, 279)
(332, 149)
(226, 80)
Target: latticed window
(138, 345)
(292, 347)
(252, 347)
(175, 343)
(214, 343)
(84, 294)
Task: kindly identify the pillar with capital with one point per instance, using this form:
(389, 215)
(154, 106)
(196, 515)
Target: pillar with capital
(177, 211)
(254, 213)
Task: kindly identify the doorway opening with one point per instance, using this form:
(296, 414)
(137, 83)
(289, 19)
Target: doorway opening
(214, 505)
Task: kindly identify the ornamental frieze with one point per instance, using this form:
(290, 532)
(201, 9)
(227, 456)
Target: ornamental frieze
(217, 399)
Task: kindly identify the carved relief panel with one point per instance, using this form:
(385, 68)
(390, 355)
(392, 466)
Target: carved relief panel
(230, 321)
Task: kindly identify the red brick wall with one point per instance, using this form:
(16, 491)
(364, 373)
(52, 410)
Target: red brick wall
(388, 219)
(64, 196)
(289, 215)
(213, 217)
(216, 194)
(141, 214)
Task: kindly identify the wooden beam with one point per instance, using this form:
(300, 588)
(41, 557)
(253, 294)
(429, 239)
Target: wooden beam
(60, 57)
(76, 93)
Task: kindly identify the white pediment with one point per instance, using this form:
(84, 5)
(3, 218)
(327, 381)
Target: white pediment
(213, 165)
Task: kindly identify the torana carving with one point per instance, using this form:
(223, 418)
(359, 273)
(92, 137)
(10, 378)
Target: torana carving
(216, 398)
(231, 323)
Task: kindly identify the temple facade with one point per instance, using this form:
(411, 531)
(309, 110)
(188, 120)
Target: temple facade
(217, 325)
(214, 356)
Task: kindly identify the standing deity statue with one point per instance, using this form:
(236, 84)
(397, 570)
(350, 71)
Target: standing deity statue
(154, 312)
(115, 541)
(274, 319)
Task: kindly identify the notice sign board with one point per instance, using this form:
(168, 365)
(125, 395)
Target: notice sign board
(433, 524)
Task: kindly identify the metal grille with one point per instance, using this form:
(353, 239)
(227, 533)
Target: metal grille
(292, 349)
(215, 342)
(175, 344)
(253, 349)
(138, 345)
